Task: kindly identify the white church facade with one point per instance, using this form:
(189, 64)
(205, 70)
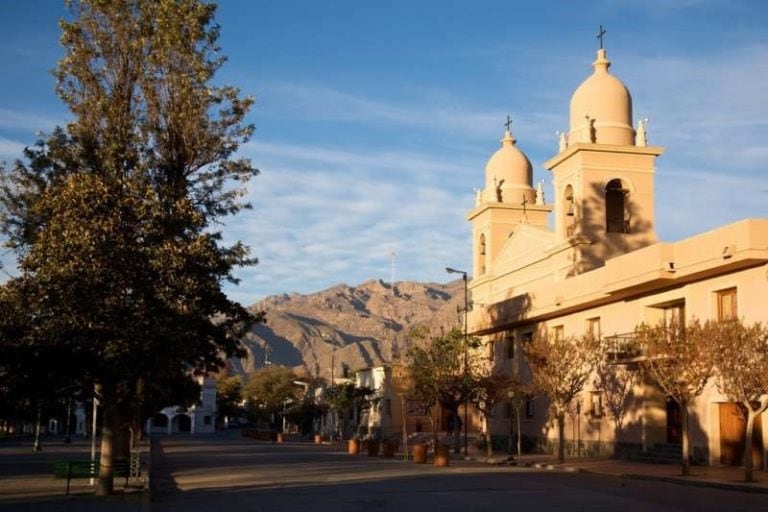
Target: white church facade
(601, 269)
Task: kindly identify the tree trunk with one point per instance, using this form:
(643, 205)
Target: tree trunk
(519, 433)
(456, 430)
(37, 446)
(561, 435)
(435, 438)
(748, 468)
(456, 440)
(121, 445)
(686, 439)
(104, 485)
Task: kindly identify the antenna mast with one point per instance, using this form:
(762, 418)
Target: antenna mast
(392, 270)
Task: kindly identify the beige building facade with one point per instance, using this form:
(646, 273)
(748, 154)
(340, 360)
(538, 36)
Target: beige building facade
(600, 268)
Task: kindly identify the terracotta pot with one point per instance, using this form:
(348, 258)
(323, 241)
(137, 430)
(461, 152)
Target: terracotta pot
(318, 439)
(373, 448)
(353, 447)
(419, 453)
(442, 456)
(279, 438)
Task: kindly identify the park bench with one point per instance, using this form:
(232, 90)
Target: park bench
(71, 469)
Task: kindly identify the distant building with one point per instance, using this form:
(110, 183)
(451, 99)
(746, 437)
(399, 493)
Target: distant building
(602, 270)
(197, 419)
(392, 403)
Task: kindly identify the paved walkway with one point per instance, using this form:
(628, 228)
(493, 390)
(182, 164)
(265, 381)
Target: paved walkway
(243, 474)
(724, 477)
(206, 473)
(27, 482)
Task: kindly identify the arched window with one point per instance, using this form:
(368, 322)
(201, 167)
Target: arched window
(569, 212)
(481, 254)
(615, 196)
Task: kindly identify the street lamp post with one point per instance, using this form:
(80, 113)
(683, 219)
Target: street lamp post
(466, 342)
(326, 338)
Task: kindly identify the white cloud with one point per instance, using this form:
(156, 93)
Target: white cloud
(10, 149)
(323, 216)
(326, 213)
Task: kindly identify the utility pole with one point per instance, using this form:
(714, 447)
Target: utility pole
(466, 343)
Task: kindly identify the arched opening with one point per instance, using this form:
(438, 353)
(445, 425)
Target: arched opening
(481, 254)
(615, 196)
(569, 212)
(185, 423)
(181, 423)
(160, 420)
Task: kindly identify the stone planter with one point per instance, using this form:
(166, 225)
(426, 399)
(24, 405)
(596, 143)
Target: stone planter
(442, 455)
(353, 447)
(318, 439)
(419, 453)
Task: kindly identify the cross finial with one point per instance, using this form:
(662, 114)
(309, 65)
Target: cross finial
(508, 123)
(600, 36)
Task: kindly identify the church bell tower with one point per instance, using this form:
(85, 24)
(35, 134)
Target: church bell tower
(603, 174)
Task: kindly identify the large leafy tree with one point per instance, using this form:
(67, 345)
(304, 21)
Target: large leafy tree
(439, 375)
(229, 396)
(114, 218)
(268, 391)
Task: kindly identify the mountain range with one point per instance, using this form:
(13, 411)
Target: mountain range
(352, 326)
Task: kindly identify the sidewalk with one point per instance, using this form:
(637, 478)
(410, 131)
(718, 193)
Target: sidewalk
(27, 482)
(722, 477)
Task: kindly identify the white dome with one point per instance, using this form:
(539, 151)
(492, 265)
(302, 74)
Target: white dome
(509, 169)
(601, 108)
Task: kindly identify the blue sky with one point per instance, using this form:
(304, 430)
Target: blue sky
(375, 119)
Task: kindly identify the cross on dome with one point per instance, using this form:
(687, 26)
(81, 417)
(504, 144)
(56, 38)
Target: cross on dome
(600, 36)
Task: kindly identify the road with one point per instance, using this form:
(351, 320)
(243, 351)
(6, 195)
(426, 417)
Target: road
(234, 474)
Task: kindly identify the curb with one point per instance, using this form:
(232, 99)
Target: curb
(738, 487)
(743, 487)
(699, 483)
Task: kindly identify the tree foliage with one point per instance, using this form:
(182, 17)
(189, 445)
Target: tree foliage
(438, 372)
(268, 390)
(347, 401)
(114, 218)
(488, 390)
(680, 360)
(616, 384)
(229, 396)
(560, 368)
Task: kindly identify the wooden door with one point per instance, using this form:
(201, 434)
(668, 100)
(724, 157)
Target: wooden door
(733, 429)
(674, 423)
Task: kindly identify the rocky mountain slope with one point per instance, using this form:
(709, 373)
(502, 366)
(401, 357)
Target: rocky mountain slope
(368, 323)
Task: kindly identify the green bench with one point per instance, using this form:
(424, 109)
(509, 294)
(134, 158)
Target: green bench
(123, 468)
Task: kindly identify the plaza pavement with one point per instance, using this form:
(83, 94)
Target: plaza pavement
(229, 473)
(27, 482)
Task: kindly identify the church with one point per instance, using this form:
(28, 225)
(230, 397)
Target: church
(598, 267)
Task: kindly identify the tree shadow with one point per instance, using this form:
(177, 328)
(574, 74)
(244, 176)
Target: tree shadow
(596, 237)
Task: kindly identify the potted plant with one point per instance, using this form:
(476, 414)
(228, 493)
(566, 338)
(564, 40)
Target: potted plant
(353, 446)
